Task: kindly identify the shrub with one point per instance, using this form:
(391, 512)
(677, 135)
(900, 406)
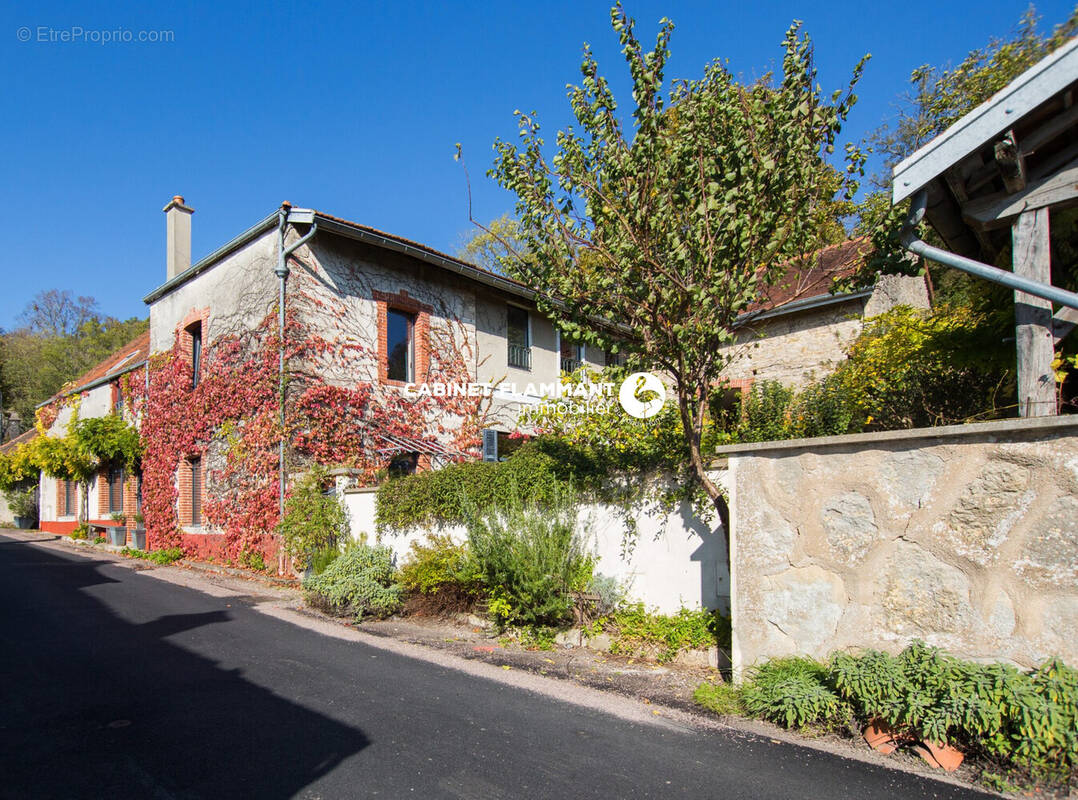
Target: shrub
(531, 557)
(441, 576)
(358, 582)
(765, 413)
(721, 698)
(22, 501)
(911, 368)
(81, 531)
(637, 630)
(162, 557)
(450, 494)
(322, 559)
(312, 520)
(793, 692)
(1024, 719)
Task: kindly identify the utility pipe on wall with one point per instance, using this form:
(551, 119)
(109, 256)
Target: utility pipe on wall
(281, 272)
(986, 271)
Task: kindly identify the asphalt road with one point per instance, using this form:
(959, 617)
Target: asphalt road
(114, 684)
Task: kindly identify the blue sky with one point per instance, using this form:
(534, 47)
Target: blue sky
(354, 109)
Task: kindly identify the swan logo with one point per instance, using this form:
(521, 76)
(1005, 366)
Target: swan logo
(636, 388)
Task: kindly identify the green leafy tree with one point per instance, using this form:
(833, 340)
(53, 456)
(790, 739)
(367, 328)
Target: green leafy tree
(58, 339)
(672, 229)
(939, 97)
(496, 245)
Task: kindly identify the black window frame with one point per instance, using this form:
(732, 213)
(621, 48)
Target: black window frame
(409, 319)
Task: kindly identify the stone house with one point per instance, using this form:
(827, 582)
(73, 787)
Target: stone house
(802, 331)
(102, 390)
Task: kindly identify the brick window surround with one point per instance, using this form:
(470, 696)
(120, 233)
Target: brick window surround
(420, 333)
(196, 316)
(184, 486)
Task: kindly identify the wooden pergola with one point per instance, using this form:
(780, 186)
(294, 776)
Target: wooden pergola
(995, 178)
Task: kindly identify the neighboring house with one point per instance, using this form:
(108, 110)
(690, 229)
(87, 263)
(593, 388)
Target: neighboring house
(802, 331)
(103, 390)
(7, 516)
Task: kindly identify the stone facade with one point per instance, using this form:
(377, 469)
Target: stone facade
(965, 537)
(805, 343)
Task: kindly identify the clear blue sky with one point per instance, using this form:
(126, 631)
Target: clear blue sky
(354, 109)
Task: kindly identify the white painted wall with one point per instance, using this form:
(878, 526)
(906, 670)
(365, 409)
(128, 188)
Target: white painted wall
(679, 560)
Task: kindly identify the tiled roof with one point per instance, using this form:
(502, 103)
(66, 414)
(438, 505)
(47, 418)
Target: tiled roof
(817, 273)
(134, 352)
(22, 438)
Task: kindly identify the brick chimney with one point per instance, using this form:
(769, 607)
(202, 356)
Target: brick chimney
(178, 222)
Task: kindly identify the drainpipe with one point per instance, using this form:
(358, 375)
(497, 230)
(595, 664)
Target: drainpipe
(281, 272)
(989, 273)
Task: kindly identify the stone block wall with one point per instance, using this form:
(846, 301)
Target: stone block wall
(965, 537)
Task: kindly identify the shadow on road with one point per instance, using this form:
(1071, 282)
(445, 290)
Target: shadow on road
(93, 705)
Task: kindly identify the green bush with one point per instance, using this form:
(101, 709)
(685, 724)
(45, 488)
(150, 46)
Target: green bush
(636, 631)
(318, 562)
(720, 698)
(358, 582)
(312, 521)
(793, 692)
(162, 557)
(1015, 718)
(530, 558)
(438, 563)
(449, 495)
(765, 413)
(22, 501)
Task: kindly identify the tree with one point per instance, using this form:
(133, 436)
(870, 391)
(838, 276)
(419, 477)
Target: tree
(941, 96)
(672, 231)
(59, 338)
(495, 245)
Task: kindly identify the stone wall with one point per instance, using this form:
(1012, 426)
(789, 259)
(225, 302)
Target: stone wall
(965, 537)
(797, 347)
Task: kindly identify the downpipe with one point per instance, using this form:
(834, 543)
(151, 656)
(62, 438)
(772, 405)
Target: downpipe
(989, 273)
(282, 272)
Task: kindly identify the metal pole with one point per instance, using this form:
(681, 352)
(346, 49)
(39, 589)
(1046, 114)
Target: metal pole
(281, 272)
(989, 273)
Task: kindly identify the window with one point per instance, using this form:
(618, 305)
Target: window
(69, 498)
(518, 337)
(612, 359)
(403, 464)
(572, 354)
(118, 405)
(196, 490)
(195, 332)
(400, 356)
(116, 490)
(138, 493)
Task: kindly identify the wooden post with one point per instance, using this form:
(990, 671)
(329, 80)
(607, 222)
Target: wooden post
(1035, 342)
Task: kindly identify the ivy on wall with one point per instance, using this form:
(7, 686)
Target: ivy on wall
(232, 418)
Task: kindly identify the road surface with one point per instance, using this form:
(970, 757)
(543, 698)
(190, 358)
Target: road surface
(116, 684)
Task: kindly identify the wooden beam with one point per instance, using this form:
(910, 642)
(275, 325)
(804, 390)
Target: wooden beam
(995, 210)
(1050, 130)
(1035, 344)
(957, 186)
(1012, 166)
(1063, 322)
